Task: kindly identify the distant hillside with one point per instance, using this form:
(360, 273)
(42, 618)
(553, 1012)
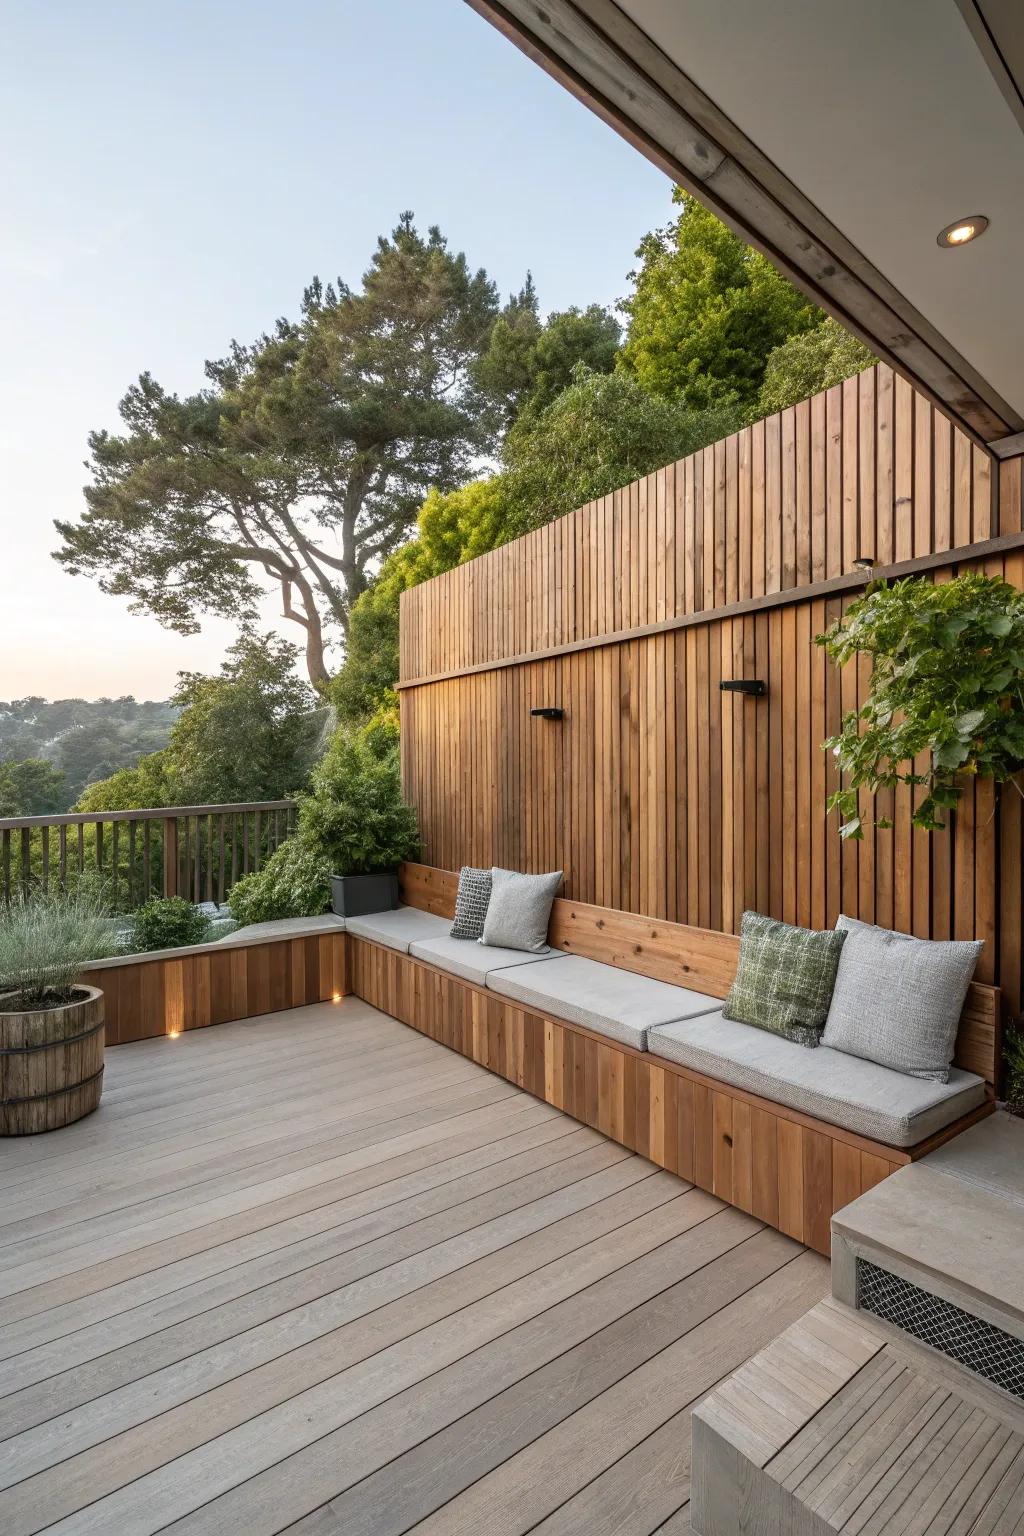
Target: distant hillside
(79, 741)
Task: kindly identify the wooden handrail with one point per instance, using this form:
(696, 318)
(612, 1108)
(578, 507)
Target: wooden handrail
(158, 813)
(198, 852)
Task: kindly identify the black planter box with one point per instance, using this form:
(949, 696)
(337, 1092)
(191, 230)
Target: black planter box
(357, 895)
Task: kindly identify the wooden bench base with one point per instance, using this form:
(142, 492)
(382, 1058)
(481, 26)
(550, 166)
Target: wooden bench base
(786, 1169)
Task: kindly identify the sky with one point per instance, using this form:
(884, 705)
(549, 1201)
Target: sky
(174, 172)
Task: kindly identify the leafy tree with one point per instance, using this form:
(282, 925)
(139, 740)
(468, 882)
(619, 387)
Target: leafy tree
(31, 787)
(947, 687)
(529, 361)
(452, 527)
(246, 734)
(706, 312)
(249, 733)
(599, 434)
(303, 461)
(809, 362)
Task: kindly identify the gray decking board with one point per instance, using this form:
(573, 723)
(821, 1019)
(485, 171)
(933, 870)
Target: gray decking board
(314, 1272)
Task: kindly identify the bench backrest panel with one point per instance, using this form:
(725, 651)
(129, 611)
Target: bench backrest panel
(700, 958)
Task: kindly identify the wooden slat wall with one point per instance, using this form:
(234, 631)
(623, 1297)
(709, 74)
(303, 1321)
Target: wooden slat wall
(657, 793)
(146, 998)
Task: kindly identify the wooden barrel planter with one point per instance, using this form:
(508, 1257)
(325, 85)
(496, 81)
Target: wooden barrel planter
(51, 1064)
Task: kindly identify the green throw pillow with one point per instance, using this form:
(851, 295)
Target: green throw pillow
(784, 978)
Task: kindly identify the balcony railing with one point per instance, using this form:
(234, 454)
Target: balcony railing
(196, 851)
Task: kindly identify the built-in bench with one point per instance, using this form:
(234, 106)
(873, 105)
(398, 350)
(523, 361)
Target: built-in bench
(620, 1026)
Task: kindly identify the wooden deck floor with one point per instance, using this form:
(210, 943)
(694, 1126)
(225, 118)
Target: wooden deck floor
(314, 1273)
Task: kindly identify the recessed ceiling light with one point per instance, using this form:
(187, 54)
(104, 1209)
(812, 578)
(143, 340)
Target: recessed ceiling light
(963, 231)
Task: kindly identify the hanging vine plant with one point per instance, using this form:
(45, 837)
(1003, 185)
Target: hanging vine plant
(947, 682)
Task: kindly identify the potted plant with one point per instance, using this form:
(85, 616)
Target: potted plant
(51, 1026)
(357, 818)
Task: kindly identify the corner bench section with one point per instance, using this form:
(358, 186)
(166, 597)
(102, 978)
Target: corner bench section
(779, 1164)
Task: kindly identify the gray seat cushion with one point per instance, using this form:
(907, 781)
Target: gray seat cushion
(472, 961)
(398, 929)
(603, 998)
(859, 1095)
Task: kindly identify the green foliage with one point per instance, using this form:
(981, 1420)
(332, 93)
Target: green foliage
(452, 527)
(167, 923)
(355, 813)
(809, 362)
(47, 939)
(294, 882)
(353, 822)
(528, 361)
(946, 699)
(247, 734)
(304, 459)
(1013, 1057)
(706, 312)
(31, 787)
(82, 739)
(599, 434)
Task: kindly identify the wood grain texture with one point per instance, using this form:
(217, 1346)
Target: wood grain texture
(145, 998)
(312, 1272)
(51, 1065)
(783, 1167)
(656, 793)
(704, 959)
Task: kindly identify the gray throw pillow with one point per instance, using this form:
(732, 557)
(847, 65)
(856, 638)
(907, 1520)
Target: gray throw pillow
(784, 978)
(471, 902)
(520, 906)
(898, 1000)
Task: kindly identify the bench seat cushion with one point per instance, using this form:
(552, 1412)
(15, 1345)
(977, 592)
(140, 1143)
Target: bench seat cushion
(858, 1095)
(600, 997)
(400, 928)
(470, 960)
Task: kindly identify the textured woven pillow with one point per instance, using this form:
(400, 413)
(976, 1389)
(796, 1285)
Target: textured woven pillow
(784, 978)
(471, 901)
(520, 906)
(898, 1000)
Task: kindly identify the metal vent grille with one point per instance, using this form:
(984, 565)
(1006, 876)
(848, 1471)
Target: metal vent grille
(983, 1348)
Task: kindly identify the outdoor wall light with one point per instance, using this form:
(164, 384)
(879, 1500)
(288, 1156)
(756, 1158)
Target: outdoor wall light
(755, 686)
(549, 712)
(962, 232)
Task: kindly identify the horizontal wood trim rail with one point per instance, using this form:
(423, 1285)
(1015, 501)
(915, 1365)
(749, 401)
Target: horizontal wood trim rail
(89, 818)
(145, 998)
(687, 956)
(783, 1167)
(833, 586)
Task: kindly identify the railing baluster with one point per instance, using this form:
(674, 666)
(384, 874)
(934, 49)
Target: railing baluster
(193, 850)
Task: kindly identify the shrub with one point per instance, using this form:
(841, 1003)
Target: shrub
(353, 823)
(355, 815)
(1013, 1055)
(46, 941)
(294, 882)
(167, 923)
